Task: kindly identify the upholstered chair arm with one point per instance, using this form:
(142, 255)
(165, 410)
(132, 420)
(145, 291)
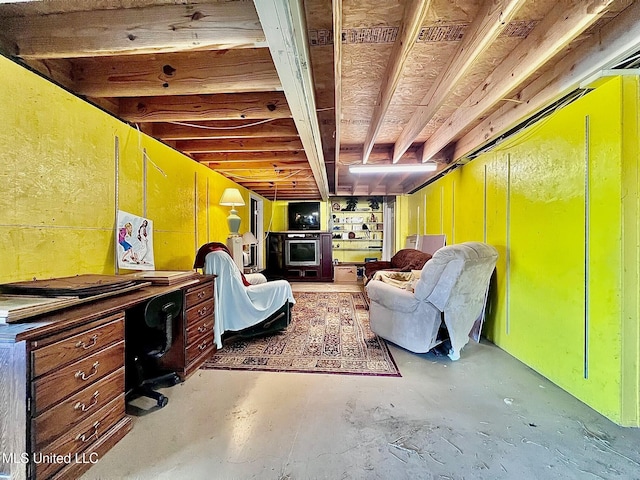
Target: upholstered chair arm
(255, 278)
(391, 297)
(371, 267)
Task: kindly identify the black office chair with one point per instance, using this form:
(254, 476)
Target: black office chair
(149, 335)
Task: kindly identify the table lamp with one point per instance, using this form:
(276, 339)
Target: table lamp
(248, 239)
(231, 197)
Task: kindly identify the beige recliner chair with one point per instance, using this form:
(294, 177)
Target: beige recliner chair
(454, 282)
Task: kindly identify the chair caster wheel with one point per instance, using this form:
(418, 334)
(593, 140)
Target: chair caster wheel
(162, 401)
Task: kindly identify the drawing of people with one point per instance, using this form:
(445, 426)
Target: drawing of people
(144, 242)
(123, 233)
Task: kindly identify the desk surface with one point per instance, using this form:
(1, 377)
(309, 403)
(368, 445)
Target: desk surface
(70, 317)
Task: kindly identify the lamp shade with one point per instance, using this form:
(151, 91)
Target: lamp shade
(231, 197)
(249, 238)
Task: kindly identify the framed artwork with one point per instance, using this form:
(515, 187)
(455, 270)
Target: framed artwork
(134, 242)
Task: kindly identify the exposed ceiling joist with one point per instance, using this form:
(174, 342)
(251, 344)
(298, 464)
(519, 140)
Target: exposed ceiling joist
(187, 73)
(617, 40)
(379, 154)
(224, 129)
(273, 157)
(285, 31)
(560, 26)
(157, 29)
(239, 145)
(337, 81)
(259, 165)
(490, 21)
(223, 106)
(415, 12)
(143, 59)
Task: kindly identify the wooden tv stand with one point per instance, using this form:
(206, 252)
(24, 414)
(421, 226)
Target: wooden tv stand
(278, 265)
(62, 378)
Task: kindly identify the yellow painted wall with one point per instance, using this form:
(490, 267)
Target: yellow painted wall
(564, 300)
(58, 195)
(405, 224)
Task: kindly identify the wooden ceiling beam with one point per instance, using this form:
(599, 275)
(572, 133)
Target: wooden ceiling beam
(268, 174)
(490, 21)
(291, 191)
(560, 26)
(377, 155)
(222, 106)
(239, 145)
(337, 81)
(376, 181)
(284, 193)
(58, 71)
(185, 73)
(281, 184)
(258, 166)
(286, 33)
(415, 12)
(157, 29)
(616, 41)
(248, 157)
(223, 129)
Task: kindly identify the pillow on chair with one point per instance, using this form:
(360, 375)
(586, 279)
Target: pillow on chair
(214, 247)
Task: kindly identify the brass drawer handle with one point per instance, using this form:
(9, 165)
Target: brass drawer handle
(203, 328)
(84, 439)
(84, 346)
(84, 407)
(203, 311)
(202, 346)
(201, 294)
(94, 369)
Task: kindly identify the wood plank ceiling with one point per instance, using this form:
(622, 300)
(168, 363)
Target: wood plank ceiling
(282, 96)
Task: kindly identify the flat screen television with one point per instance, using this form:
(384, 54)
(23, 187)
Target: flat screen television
(304, 215)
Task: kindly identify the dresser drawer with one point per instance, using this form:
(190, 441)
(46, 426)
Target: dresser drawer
(199, 329)
(200, 311)
(199, 294)
(70, 349)
(61, 383)
(200, 347)
(76, 408)
(95, 451)
(79, 438)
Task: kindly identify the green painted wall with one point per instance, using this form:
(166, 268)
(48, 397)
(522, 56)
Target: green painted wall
(560, 203)
(58, 195)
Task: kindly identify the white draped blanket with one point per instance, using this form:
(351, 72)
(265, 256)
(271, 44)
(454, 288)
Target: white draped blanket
(238, 307)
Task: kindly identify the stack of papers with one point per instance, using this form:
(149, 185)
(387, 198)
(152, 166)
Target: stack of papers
(16, 307)
(165, 277)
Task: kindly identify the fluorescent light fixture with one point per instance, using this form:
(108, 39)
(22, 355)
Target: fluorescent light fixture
(419, 167)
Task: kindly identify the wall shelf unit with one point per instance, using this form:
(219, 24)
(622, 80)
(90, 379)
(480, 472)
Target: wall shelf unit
(357, 228)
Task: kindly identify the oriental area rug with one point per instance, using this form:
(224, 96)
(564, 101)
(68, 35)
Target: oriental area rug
(329, 333)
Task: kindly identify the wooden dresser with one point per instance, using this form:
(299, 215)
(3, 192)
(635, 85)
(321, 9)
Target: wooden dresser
(194, 341)
(62, 379)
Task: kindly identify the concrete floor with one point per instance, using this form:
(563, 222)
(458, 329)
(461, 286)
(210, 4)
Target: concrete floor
(486, 416)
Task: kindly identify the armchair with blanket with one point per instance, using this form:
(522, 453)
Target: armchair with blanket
(453, 288)
(249, 306)
(404, 260)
